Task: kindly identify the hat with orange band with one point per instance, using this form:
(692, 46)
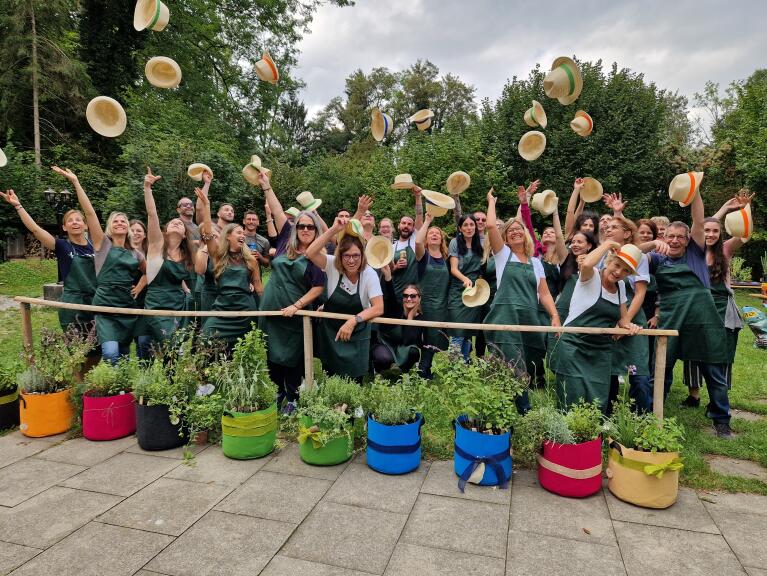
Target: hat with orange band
(582, 124)
(739, 224)
(684, 187)
(631, 255)
(267, 70)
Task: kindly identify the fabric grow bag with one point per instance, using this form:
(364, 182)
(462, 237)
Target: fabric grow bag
(475, 451)
(572, 470)
(9, 410)
(108, 417)
(394, 449)
(249, 435)
(336, 451)
(647, 479)
(154, 430)
(45, 414)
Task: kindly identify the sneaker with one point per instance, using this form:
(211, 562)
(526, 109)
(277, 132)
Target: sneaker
(723, 430)
(690, 402)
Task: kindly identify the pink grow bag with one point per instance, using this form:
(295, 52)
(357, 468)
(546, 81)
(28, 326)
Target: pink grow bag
(572, 470)
(108, 417)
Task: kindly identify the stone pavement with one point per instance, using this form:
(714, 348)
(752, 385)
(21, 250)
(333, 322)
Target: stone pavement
(74, 507)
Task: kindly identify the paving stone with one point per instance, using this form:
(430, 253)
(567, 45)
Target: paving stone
(85, 452)
(737, 467)
(285, 566)
(212, 466)
(175, 453)
(359, 485)
(746, 415)
(14, 446)
(222, 543)
(409, 559)
(167, 506)
(274, 496)
(148, 573)
(45, 519)
(97, 550)
(26, 478)
(12, 556)
(288, 461)
(746, 534)
(461, 525)
(442, 481)
(534, 554)
(654, 549)
(346, 536)
(687, 513)
(746, 503)
(122, 474)
(534, 509)
(755, 571)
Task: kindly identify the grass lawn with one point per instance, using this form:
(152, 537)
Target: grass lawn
(749, 390)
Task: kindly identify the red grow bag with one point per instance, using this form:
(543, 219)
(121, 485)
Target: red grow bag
(108, 417)
(573, 470)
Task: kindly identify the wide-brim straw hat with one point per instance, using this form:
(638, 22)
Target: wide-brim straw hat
(308, 201)
(582, 124)
(197, 169)
(631, 255)
(477, 295)
(435, 211)
(381, 125)
(544, 202)
(592, 190)
(353, 228)
(422, 119)
(403, 182)
(564, 81)
(536, 115)
(739, 224)
(531, 145)
(293, 211)
(106, 116)
(266, 69)
(253, 168)
(150, 14)
(3, 158)
(458, 182)
(438, 199)
(163, 72)
(684, 187)
(379, 251)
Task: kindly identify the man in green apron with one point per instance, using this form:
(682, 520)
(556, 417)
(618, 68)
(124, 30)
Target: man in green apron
(404, 265)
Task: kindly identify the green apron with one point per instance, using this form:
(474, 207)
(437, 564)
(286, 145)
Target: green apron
(208, 289)
(722, 295)
(79, 288)
(233, 294)
(165, 293)
(392, 337)
(199, 279)
(632, 350)
(687, 305)
(190, 299)
(343, 358)
(469, 265)
(115, 281)
(582, 362)
(563, 300)
(489, 274)
(287, 283)
(552, 281)
(433, 284)
(401, 278)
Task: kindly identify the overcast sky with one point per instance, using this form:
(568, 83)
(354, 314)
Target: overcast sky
(677, 44)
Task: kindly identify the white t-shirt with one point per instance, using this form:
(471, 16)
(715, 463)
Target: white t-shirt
(503, 256)
(587, 293)
(403, 244)
(368, 285)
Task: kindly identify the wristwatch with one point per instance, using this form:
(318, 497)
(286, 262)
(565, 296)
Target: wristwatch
(358, 319)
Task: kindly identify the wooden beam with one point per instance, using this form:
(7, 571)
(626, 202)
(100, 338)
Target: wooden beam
(658, 391)
(26, 332)
(308, 354)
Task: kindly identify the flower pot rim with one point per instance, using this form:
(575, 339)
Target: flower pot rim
(62, 391)
(419, 417)
(124, 393)
(552, 443)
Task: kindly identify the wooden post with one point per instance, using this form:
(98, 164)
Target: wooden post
(661, 342)
(26, 331)
(308, 354)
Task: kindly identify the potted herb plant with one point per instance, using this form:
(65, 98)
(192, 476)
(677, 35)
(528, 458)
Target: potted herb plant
(643, 462)
(9, 394)
(160, 406)
(203, 416)
(108, 407)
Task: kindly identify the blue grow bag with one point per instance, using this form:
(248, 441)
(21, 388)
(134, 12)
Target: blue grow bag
(473, 449)
(394, 449)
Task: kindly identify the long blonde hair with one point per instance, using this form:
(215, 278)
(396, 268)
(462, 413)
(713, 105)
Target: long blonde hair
(222, 259)
(529, 246)
(110, 221)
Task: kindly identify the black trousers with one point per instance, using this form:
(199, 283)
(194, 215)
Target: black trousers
(288, 380)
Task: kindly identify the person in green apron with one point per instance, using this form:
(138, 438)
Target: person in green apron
(141, 336)
(487, 272)
(582, 362)
(433, 281)
(577, 218)
(687, 305)
(465, 258)
(405, 265)
(351, 287)
(295, 283)
(580, 244)
(647, 231)
(206, 283)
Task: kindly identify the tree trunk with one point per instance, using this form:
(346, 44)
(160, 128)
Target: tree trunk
(35, 89)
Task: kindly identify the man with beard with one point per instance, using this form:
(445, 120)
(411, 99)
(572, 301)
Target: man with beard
(404, 267)
(185, 210)
(225, 215)
(259, 246)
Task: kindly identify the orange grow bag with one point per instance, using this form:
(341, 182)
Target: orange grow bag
(45, 414)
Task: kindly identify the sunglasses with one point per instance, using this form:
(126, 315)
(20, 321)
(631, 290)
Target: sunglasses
(184, 204)
(310, 227)
(481, 219)
(410, 296)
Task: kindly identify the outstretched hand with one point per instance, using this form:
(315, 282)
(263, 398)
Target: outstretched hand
(364, 203)
(490, 195)
(615, 202)
(743, 197)
(150, 178)
(66, 173)
(202, 196)
(522, 195)
(207, 177)
(578, 185)
(10, 197)
(532, 188)
(263, 180)
(338, 224)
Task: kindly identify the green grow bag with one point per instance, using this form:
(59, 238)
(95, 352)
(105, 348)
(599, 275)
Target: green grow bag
(334, 452)
(248, 435)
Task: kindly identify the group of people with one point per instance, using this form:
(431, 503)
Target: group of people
(595, 271)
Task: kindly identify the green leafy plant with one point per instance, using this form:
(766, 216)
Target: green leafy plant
(624, 424)
(204, 414)
(763, 260)
(62, 355)
(644, 431)
(584, 421)
(32, 381)
(244, 383)
(541, 424)
(331, 405)
(102, 380)
(389, 404)
(9, 372)
(739, 270)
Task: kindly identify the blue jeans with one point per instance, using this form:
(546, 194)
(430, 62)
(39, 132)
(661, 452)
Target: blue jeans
(143, 347)
(715, 376)
(464, 344)
(640, 389)
(112, 351)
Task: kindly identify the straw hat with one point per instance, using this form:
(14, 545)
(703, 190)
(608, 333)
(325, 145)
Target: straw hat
(251, 170)
(437, 204)
(592, 190)
(545, 202)
(457, 182)
(381, 124)
(163, 72)
(531, 145)
(422, 119)
(106, 116)
(739, 224)
(196, 170)
(3, 158)
(631, 255)
(582, 124)
(684, 187)
(293, 211)
(435, 211)
(564, 81)
(403, 182)
(353, 228)
(536, 115)
(151, 14)
(266, 69)
(308, 201)
(477, 295)
(379, 251)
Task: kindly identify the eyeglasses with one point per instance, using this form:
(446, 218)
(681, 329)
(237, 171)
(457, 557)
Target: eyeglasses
(351, 257)
(481, 219)
(675, 237)
(310, 227)
(184, 204)
(410, 296)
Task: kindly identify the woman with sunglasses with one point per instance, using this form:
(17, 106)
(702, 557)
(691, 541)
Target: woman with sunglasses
(396, 349)
(351, 287)
(295, 283)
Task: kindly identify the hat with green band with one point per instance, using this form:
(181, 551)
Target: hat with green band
(564, 81)
(536, 115)
(150, 15)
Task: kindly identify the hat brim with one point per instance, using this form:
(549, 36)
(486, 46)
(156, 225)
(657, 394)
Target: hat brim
(101, 106)
(531, 154)
(576, 71)
(592, 192)
(458, 183)
(437, 199)
(477, 295)
(162, 80)
(196, 170)
(373, 246)
(3, 159)
(312, 205)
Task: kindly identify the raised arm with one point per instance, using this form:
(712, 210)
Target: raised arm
(697, 212)
(315, 253)
(364, 203)
(420, 237)
(207, 178)
(594, 257)
(561, 247)
(496, 242)
(94, 226)
(457, 210)
(418, 208)
(44, 237)
(615, 203)
(155, 239)
(206, 228)
(574, 207)
(278, 214)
